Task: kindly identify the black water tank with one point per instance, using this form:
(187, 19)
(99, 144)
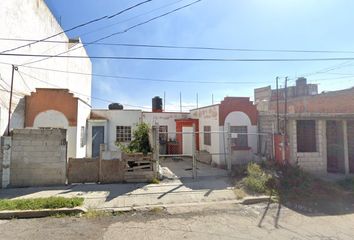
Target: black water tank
(157, 104)
(115, 106)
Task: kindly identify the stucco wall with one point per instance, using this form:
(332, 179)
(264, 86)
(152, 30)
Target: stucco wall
(31, 19)
(209, 116)
(118, 118)
(38, 157)
(82, 115)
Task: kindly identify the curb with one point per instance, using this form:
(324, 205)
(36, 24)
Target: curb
(39, 213)
(255, 200)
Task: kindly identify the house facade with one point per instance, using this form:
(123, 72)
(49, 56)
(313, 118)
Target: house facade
(211, 125)
(44, 93)
(319, 130)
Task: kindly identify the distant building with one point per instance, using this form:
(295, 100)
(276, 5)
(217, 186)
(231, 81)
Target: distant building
(319, 127)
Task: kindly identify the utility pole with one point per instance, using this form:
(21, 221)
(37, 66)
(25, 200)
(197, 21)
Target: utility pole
(197, 100)
(10, 103)
(180, 101)
(277, 83)
(286, 105)
(212, 99)
(164, 101)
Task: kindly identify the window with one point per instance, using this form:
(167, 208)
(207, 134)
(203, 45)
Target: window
(241, 141)
(163, 136)
(82, 137)
(306, 135)
(124, 134)
(207, 135)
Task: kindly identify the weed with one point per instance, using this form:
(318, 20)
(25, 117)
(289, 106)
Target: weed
(40, 203)
(155, 180)
(240, 193)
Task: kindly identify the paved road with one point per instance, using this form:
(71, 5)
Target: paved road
(211, 222)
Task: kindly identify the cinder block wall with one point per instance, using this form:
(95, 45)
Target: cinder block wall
(38, 157)
(265, 125)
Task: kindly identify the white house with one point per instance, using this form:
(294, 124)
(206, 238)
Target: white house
(33, 20)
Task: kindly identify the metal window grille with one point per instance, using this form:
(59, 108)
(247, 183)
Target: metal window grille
(123, 133)
(207, 135)
(242, 139)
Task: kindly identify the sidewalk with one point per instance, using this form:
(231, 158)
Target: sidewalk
(135, 195)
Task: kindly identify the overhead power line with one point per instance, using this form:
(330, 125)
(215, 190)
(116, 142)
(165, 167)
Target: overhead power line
(140, 78)
(120, 32)
(191, 47)
(183, 59)
(78, 93)
(78, 26)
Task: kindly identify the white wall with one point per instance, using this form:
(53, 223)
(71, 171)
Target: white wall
(164, 119)
(118, 118)
(31, 19)
(209, 116)
(83, 113)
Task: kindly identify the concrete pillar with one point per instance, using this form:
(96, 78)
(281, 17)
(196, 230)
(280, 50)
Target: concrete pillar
(6, 145)
(346, 149)
(322, 143)
(229, 150)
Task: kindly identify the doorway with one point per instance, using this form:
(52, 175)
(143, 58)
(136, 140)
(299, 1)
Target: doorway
(335, 147)
(97, 140)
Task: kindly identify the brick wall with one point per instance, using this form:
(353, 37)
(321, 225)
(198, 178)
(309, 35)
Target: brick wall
(38, 157)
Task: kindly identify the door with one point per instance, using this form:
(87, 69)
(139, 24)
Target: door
(187, 140)
(335, 147)
(97, 139)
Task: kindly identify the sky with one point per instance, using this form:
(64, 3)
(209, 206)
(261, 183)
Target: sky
(251, 24)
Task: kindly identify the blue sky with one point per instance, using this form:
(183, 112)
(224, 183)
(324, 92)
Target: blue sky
(258, 24)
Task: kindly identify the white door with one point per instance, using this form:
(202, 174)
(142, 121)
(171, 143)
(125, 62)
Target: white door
(187, 140)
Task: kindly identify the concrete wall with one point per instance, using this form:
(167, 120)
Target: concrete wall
(31, 19)
(117, 118)
(83, 114)
(164, 118)
(38, 157)
(209, 116)
(314, 162)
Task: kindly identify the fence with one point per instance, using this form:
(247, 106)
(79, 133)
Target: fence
(224, 148)
(133, 167)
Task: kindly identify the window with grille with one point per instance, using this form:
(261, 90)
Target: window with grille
(124, 134)
(82, 137)
(241, 141)
(306, 135)
(207, 135)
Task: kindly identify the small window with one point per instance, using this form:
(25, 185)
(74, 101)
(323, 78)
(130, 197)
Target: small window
(163, 136)
(207, 135)
(242, 138)
(306, 135)
(124, 134)
(82, 137)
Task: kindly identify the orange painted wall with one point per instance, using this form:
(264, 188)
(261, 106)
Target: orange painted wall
(241, 104)
(51, 99)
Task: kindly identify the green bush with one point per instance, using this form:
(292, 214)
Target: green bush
(40, 203)
(347, 184)
(140, 142)
(256, 179)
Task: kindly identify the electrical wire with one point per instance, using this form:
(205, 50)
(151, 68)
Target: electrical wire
(78, 26)
(181, 59)
(121, 32)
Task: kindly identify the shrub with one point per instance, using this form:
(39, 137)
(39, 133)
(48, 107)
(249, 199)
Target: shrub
(256, 179)
(347, 184)
(140, 142)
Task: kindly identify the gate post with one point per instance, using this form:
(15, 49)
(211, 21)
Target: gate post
(156, 148)
(229, 150)
(194, 161)
(102, 148)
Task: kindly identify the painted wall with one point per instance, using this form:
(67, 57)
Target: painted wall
(164, 118)
(117, 118)
(209, 116)
(31, 19)
(83, 113)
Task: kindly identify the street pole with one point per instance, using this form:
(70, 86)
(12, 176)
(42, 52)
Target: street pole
(10, 103)
(180, 101)
(277, 82)
(197, 100)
